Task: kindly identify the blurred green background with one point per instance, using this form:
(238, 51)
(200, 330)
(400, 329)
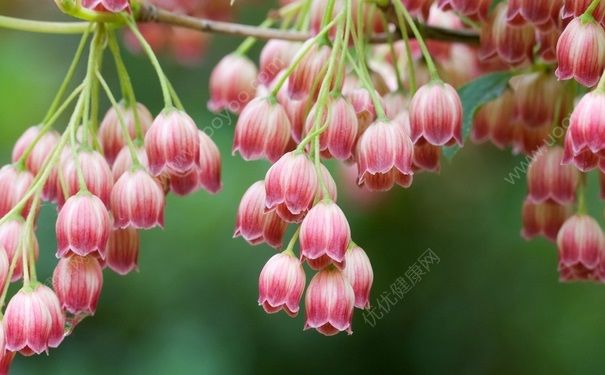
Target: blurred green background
(492, 305)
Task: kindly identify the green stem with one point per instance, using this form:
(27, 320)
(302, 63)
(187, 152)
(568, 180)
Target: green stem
(581, 194)
(400, 8)
(93, 63)
(47, 125)
(11, 272)
(328, 13)
(362, 70)
(68, 76)
(72, 129)
(318, 170)
(380, 112)
(323, 97)
(292, 242)
(43, 27)
(126, 84)
(24, 260)
(343, 57)
(591, 8)
(45, 171)
(288, 12)
(125, 133)
(408, 54)
(175, 97)
(394, 57)
(305, 48)
(302, 23)
(245, 46)
(29, 230)
(94, 89)
(154, 61)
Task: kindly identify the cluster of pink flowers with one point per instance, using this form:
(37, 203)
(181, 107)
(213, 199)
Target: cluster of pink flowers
(104, 198)
(403, 132)
(388, 135)
(386, 113)
(531, 117)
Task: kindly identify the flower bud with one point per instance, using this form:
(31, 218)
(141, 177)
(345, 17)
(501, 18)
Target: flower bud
(253, 223)
(110, 130)
(14, 184)
(395, 103)
(296, 110)
(587, 124)
(426, 156)
(436, 115)
(57, 329)
(547, 40)
(340, 120)
(581, 52)
(184, 184)
(232, 83)
(137, 200)
(286, 215)
(324, 236)
(311, 71)
(538, 12)
(358, 271)
(292, 180)
(533, 95)
(493, 121)
(123, 250)
(547, 179)
(581, 248)
(319, 10)
(528, 140)
(4, 268)
(6, 357)
(32, 323)
(543, 219)
(329, 303)
(385, 152)
(281, 284)
(210, 164)
(513, 44)
(123, 161)
(113, 6)
(576, 8)
(78, 282)
(172, 143)
(38, 156)
(262, 130)
(13, 239)
(206, 176)
(275, 57)
(83, 226)
(583, 159)
(364, 108)
(95, 170)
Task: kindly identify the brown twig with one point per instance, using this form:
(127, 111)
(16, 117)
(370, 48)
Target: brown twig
(151, 13)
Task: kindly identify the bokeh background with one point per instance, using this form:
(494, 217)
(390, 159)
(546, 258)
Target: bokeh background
(492, 305)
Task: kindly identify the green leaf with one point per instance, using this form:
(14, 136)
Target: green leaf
(475, 94)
